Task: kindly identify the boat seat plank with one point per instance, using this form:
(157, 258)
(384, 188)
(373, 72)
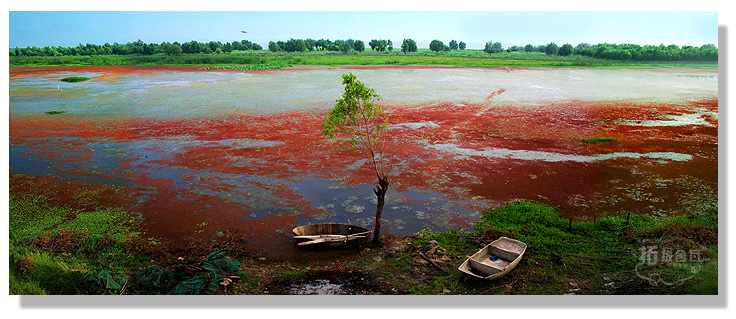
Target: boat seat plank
(503, 253)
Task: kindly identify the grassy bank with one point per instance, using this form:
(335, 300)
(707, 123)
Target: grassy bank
(468, 58)
(80, 247)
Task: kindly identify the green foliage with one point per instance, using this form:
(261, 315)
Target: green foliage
(596, 140)
(49, 275)
(408, 45)
(357, 117)
(565, 50)
(74, 79)
(247, 67)
(493, 47)
(293, 274)
(55, 112)
(29, 216)
(551, 48)
(453, 45)
(436, 45)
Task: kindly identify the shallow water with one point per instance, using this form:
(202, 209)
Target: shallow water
(167, 94)
(199, 151)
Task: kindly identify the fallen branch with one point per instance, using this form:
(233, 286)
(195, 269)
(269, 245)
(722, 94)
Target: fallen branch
(431, 262)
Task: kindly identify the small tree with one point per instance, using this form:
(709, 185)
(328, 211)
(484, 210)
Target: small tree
(356, 121)
(565, 50)
(461, 45)
(453, 44)
(436, 45)
(551, 48)
(408, 45)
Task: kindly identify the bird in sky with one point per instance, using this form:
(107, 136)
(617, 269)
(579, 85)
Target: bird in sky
(244, 31)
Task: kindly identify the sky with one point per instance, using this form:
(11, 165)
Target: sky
(475, 28)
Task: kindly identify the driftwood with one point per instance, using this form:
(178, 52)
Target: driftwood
(431, 262)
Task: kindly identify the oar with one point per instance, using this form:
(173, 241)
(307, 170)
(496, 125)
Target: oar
(328, 239)
(329, 235)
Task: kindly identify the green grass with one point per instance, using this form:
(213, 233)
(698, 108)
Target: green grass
(588, 251)
(62, 243)
(74, 79)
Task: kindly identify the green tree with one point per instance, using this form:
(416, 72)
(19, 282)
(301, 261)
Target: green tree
(273, 46)
(565, 50)
(359, 46)
(436, 45)
(356, 123)
(344, 46)
(461, 45)
(551, 49)
(493, 47)
(453, 44)
(171, 48)
(408, 45)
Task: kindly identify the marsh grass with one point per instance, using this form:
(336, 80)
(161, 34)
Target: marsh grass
(74, 79)
(596, 140)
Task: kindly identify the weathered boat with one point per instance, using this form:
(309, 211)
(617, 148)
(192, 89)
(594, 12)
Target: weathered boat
(495, 260)
(331, 235)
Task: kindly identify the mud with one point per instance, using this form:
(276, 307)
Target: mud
(198, 153)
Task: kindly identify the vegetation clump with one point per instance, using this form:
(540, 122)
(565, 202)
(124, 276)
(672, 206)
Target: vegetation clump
(596, 140)
(248, 67)
(55, 112)
(74, 79)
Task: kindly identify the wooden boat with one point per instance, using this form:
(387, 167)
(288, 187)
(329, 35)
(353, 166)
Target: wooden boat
(331, 235)
(495, 260)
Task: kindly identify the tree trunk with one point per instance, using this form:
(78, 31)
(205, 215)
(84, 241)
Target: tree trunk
(380, 192)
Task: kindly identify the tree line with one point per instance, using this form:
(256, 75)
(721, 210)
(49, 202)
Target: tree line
(625, 52)
(138, 48)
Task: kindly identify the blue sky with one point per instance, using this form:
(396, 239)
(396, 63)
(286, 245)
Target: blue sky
(69, 28)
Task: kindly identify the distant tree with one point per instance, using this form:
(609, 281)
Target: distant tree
(390, 45)
(528, 48)
(381, 45)
(171, 48)
(359, 46)
(214, 45)
(227, 48)
(565, 50)
(357, 123)
(408, 45)
(453, 44)
(493, 47)
(309, 42)
(294, 45)
(551, 49)
(373, 44)
(436, 45)
(273, 46)
(344, 47)
(461, 45)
